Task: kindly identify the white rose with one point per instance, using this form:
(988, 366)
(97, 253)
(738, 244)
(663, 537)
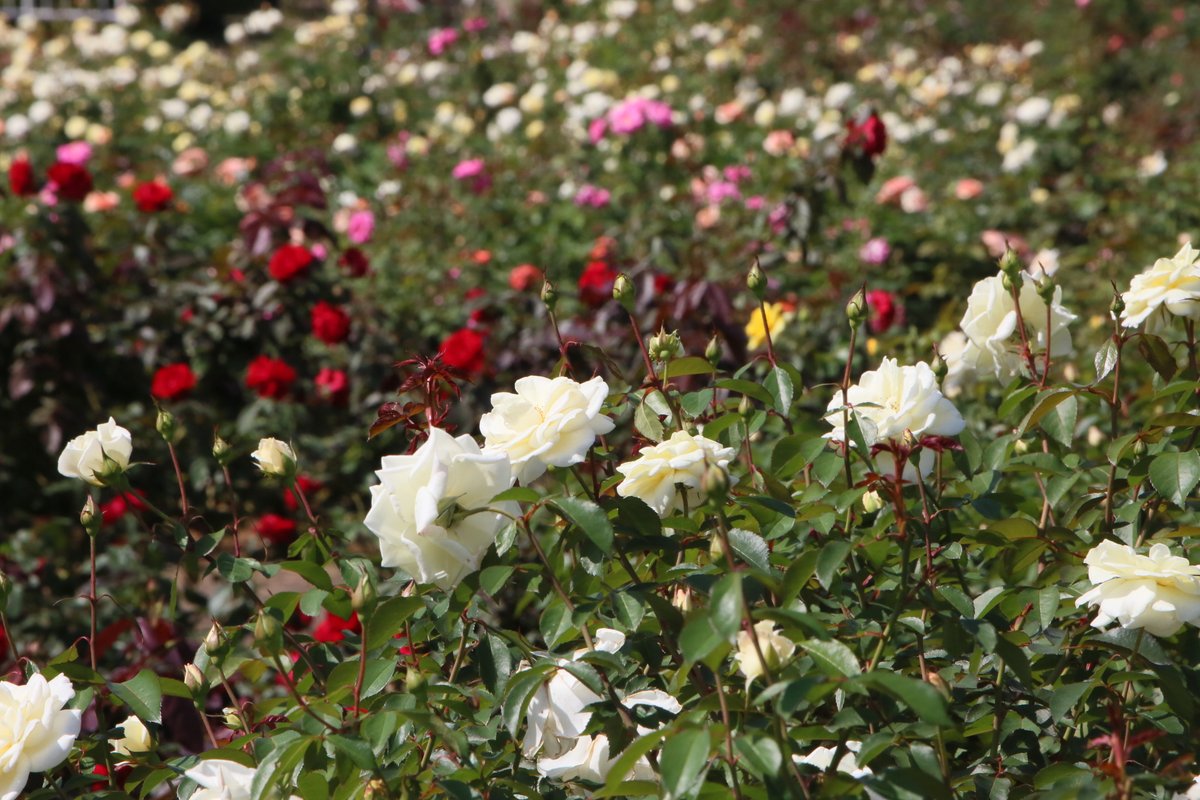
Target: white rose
(221, 779)
(1172, 284)
(548, 422)
(558, 713)
(655, 474)
(990, 324)
(822, 757)
(501, 94)
(275, 458)
(430, 511)
(588, 759)
(893, 401)
(775, 649)
(135, 738)
(85, 456)
(1158, 592)
(36, 731)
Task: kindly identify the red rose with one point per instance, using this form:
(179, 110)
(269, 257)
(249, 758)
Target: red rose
(276, 529)
(119, 506)
(596, 283)
(307, 485)
(332, 628)
(289, 261)
(868, 137)
(524, 277)
(885, 311)
(70, 181)
(355, 262)
(463, 350)
(20, 178)
(270, 377)
(152, 196)
(333, 385)
(330, 324)
(172, 381)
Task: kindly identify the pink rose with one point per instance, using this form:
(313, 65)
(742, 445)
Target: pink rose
(361, 227)
(77, 153)
(875, 251)
(968, 189)
(892, 189)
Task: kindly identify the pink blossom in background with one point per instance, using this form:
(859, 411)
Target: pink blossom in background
(777, 143)
(997, 242)
(475, 24)
(778, 218)
(397, 151)
(361, 227)
(319, 250)
(913, 200)
(968, 189)
(596, 129)
(592, 196)
(473, 172)
(441, 40)
(892, 189)
(74, 153)
(736, 173)
(721, 191)
(631, 115)
(756, 202)
(875, 251)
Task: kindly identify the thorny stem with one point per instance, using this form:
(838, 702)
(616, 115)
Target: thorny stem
(562, 345)
(730, 756)
(637, 333)
(1114, 403)
(183, 501)
(237, 522)
(362, 666)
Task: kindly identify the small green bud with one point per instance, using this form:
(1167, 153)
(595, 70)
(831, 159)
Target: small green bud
(1117, 308)
(1045, 290)
(745, 407)
(549, 295)
(624, 293)
(413, 679)
(856, 308)
(90, 517)
(193, 679)
(232, 720)
(1012, 282)
(364, 596)
(221, 450)
(1010, 263)
(1139, 447)
(712, 353)
(111, 472)
(664, 346)
(268, 633)
(214, 641)
(939, 367)
(165, 425)
(872, 502)
(756, 282)
(715, 483)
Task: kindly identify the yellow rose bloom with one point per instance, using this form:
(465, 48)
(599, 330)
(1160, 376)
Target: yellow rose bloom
(773, 316)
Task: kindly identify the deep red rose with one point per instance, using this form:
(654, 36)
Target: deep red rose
(270, 377)
(663, 283)
(276, 529)
(885, 311)
(119, 506)
(289, 261)
(70, 181)
(463, 350)
(307, 485)
(172, 381)
(354, 262)
(153, 196)
(20, 178)
(333, 385)
(868, 137)
(596, 283)
(330, 324)
(332, 628)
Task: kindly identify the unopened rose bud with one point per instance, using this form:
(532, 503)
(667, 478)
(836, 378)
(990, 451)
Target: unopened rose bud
(165, 425)
(193, 678)
(1139, 447)
(1021, 446)
(715, 483)
(364, 595)
(756, 282)
(267, 633)
(232, 720)
(90, 517)
(624, 293)
(664, 346)
(940, 368)
(712, 353)
(716, 549)
(746, 407)
(111, 471)
(413, 679)
(872, 502)
(214, 641)
(1010, 264)
(549, 295)
(856, 308)
(1117, 307)
(935, 680)
(221, 450)
(682, 599)
(275, 458)
(1013, 282)
(1045, 290)
(375, 788)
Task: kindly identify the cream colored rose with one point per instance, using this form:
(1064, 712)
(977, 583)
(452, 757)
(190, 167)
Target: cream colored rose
(990, 324)
(1158, 592)
(36, 730)
(893, 401)
(776, 648)
(135, 738)
(275, 458)
(1172, 284)
(431, 511)
(822, 757)
(95, 454)
(220, 779)
(679, 461)
(549, 422)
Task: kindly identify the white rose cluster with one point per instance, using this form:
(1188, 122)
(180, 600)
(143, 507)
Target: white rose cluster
(1157, 592)
(990, 324)
(37, 731)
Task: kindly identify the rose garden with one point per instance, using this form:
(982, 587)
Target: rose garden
(624, 398)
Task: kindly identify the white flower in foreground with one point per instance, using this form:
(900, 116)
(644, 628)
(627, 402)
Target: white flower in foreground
(892, 402)
(91, 455)
(1193, 792)
(275, 458)
(822, 757)
(776, 648)
(135, 738)
(36, 731)
(221, 779)
(431, 511)
(1172, 284)
(681, 460)
(558, 714)
(990, 324)
(1158, 592)
(549, 422)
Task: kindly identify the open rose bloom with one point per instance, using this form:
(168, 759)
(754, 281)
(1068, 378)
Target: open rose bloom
(1159, 592)
(1171, 285)
(37, 731)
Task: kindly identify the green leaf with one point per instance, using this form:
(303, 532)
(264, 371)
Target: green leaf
(1063, 698)
(310, 572)
(683, 759)
(1158, 355)
(832, 555)
(1059, 422)
(519, 494)
(715, 626)
(1015, 528)
(377, 674)
(629, 608)
(235, 570)
(521, 688)
(1047, 401)
(648, 423)
(919, 696)
(589, 518)
(354, 748)
(495, 662)
(1106, 359)
(759, 754)
(142, 694)
(1047, 605)
(615, 785)
(751, 548)
(389, 617)
(955, 597)
(779, 384)
(688, 365)
(555, 622)
(833, 657)
(1175, 475)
